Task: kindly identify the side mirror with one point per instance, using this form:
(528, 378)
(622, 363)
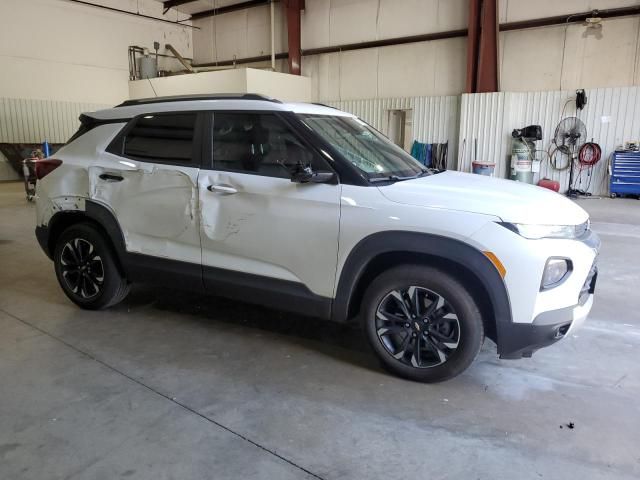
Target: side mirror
(305, 174)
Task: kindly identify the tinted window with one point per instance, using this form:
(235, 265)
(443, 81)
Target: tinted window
(163, 138)
(258, 143)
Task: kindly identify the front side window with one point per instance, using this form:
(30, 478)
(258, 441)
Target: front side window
(366, 148)
(162, 138)
(259, 144)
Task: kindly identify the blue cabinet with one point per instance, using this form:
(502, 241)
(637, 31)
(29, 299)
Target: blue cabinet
(625, 173)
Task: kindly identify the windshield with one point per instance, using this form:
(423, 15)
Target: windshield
(366, 148)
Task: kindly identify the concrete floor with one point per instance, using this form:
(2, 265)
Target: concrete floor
(175, 386)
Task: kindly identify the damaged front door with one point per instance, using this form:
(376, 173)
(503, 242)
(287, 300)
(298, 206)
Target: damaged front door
(148, 178)
(261, 231)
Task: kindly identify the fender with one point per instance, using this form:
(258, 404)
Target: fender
(108, 221)
(94, 211)
(445, 248)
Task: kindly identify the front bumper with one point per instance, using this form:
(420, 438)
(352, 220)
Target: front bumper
(540, 317)
(519, 340)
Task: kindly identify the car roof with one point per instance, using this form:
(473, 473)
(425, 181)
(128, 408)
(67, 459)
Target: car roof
(249, 101)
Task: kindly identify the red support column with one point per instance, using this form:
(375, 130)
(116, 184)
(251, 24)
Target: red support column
(293, 8)
(473, 40)
(487, 79)
(482, 47)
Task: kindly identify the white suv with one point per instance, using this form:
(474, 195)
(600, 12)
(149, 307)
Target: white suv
(305, 208)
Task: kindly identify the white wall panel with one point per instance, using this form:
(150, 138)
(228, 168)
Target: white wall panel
(612, 116)
(517, 10)
(548, 58)
(32, 121)
(434, 119)
(52, 49)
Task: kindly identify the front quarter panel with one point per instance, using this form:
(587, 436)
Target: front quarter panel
(524, 261)
(365, 211)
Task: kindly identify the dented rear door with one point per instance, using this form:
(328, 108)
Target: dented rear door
(148, 178)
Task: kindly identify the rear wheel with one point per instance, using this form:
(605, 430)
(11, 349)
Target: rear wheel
(86, 268)
(422, 323)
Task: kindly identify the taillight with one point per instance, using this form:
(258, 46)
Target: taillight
(42, 168)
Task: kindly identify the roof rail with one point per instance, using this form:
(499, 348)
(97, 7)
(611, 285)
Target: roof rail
(324, 105)
(187, 98)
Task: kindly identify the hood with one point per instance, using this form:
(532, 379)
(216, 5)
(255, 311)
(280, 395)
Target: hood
(514, 202)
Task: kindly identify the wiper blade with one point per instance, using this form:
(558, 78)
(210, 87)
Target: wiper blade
(396, 178)
(389, 178)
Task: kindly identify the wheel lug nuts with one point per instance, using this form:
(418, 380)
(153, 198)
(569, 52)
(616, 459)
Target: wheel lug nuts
(407, 325)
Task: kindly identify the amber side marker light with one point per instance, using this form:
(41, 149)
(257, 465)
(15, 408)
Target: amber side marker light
(496, 263)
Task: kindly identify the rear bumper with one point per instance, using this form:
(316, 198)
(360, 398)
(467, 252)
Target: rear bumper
(42, 235)
(523, 339)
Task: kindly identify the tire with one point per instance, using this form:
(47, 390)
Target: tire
(447, 324)
(86, 268)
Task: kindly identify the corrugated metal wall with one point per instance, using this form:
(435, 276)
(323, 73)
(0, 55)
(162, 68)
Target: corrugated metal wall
(32, 121)
(434, 119)
(612, 116)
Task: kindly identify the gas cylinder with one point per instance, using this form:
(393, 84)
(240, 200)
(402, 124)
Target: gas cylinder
(522, 155)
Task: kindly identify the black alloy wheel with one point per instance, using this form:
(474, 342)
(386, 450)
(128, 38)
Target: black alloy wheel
(82, 268)
(87, 268)
(422, 322)
(417, 326)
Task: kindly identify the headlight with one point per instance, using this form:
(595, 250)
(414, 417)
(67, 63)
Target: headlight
(536, 232)
(555, 271)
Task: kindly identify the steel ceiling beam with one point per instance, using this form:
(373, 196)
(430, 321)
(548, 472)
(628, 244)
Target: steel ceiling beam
(128, 12)
(175, 3)
(229, 8)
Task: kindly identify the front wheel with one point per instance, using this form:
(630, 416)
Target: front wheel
(422, 323)
(86, 268)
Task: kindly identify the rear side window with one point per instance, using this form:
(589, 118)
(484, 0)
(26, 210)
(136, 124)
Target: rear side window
(162, 138)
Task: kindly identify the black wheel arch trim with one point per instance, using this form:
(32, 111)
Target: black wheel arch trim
(93, 211)
(448, 249)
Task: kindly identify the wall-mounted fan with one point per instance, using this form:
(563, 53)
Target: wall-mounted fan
(569, 136)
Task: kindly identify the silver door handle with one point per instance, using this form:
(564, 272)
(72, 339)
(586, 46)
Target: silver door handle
(222, 189)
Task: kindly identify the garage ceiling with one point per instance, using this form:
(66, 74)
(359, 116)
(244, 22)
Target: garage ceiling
(206, 8)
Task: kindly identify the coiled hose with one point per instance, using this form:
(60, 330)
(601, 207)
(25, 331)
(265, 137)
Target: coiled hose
(589, 154)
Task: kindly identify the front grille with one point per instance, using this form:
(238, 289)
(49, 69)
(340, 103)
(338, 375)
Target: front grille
(589, 285)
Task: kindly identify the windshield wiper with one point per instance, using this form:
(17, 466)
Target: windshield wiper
(396, 178)
(389, 178)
